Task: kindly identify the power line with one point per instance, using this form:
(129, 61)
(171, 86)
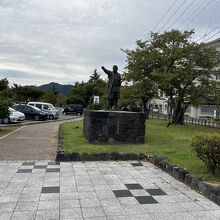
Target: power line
(211, 19)
(170, 18)
(197, 14)
(207, 34)
(212, 36)
(165, 14)
(189, 6)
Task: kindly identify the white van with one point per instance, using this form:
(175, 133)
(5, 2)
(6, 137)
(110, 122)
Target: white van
(52, 112)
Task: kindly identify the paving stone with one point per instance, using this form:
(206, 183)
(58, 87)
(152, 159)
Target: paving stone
(26, 215)
(24, 171)
(96, 218)
(118, 217)
(69, 204)
(26, 206)
(40, 167)
(69, 196)
(122, 193)
(134, 209)
(7, 207)
(90, 202)
(47, 215)
(49, 196)
(9, 198)
(155, 192)
(5, 215)
(70, 213)
(128, 201)
(172, 216)
(134, 186)
(52, 170)
(140, 192)
(140, 217)
(109, 202)
(88, 195)
(49, 204)
(114, 210)
(29, 197)
(191, 206)
(28, 163)
(52, 189)
(146, 200)
(203, 215)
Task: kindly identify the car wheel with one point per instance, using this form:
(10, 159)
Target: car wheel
(36, 118)
(6, 120)
(51, 117)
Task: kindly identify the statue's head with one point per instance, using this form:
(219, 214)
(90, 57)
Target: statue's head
(115, 69)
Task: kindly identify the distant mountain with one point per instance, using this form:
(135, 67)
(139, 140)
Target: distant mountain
(63, 89)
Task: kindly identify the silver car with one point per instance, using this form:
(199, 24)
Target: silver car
(15, 116)
(51, 111)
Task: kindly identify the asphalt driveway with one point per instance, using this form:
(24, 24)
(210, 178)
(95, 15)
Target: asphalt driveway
(31, 142)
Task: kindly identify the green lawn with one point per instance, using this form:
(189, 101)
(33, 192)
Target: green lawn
(172, 143)
(6, 130)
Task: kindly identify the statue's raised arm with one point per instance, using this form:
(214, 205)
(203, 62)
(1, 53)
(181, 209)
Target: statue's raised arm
(108, 72)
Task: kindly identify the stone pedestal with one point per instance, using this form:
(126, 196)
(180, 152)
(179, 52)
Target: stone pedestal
(114, 126)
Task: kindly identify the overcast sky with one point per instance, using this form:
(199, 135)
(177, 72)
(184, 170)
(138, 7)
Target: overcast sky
(65, 40)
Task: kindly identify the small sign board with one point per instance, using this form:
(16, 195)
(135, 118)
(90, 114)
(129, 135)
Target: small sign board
(96, 99)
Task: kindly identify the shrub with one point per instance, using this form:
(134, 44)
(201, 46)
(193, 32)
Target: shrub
(207, 148)
(4, 111)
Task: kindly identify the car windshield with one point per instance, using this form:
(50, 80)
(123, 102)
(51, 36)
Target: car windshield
(35, 108)
(52, 107)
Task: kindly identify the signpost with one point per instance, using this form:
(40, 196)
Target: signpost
(96, 100)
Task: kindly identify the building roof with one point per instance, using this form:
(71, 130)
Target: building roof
(214, 41)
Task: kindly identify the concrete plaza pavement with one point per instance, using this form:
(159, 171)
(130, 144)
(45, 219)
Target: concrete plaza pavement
(97, 190)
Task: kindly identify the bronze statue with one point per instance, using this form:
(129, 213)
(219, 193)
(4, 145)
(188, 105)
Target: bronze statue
(114, 85)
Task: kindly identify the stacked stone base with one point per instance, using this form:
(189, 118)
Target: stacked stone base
(114, 127)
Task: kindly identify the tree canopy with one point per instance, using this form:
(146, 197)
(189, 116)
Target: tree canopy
(182, 69)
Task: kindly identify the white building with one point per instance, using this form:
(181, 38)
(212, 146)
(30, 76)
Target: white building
(207, 109)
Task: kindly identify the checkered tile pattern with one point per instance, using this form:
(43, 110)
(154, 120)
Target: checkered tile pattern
(143, 196)
(28, 167)
(97, 190)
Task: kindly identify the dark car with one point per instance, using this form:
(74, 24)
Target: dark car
(31, 112)
(73, 108)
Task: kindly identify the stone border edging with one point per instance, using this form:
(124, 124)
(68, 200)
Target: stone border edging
(209, 191)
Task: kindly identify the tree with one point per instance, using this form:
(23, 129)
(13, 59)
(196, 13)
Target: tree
(86, 90)
(95, 76)
(4, 99)
(3, 84)
(182, 69)
(27, 93)
(51, 97)
(75, 99)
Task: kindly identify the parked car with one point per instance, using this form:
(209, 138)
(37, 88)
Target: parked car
(15, 116)
(73, 108)
(31, 112)
(52, 112)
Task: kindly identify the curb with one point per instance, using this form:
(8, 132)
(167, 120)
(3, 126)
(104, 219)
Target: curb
(40, 122)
